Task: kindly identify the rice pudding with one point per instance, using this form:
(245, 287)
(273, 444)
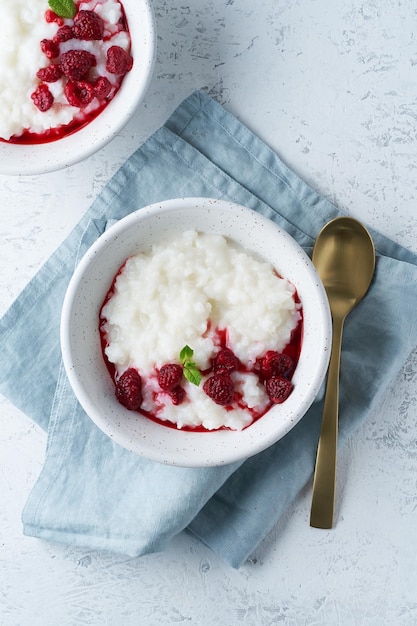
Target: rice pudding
(57, 73)
(200, 334)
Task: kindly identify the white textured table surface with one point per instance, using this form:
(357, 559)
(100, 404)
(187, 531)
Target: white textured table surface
(332, 88)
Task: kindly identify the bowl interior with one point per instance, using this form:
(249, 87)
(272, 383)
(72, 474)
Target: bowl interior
(80, 339)
(22, 159)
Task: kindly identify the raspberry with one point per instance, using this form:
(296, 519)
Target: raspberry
(169, 376)
(42, 98)
(88, 26)
(49, 48)
(118, 60)
(278, 388)
(75, 64)
(219, 388)
(102, 87)
(177, 395)
(49, 74)
(51, 17)
(225, 361)
(79, 93)
(129, 389)
(275, 364)
(63, 34)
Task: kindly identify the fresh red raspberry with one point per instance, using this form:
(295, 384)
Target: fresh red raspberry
(52, 17)
(219, 388)
(118, 61)
(42, 98)
(63, 34)
(75, 64)
(79, 93)
(278, 388)
(169, 376)
(177, 395)
(129, 389)
(102, 87)
(225, 361)
(49, 48)
(88, 26)
(274, 364)
(49, 74)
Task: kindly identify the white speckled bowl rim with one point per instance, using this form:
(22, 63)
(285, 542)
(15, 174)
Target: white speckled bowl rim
(80, 340)
(21, 159)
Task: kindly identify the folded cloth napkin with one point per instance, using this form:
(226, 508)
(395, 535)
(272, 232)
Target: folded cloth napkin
(94, 494)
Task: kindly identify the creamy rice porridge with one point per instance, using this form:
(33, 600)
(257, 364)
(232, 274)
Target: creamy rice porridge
(201, 306)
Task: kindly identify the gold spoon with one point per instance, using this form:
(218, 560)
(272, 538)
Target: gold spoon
(344, 256)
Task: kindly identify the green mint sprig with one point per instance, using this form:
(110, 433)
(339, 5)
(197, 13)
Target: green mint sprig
(63, 8)
(189, 368)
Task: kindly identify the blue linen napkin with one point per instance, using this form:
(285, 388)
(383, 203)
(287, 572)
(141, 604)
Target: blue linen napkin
(94, 494)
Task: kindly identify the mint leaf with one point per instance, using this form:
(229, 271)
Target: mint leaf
(189, 368)
(63, 8)
(186, 354)
(192, 374)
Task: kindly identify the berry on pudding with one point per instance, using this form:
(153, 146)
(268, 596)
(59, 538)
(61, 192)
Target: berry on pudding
(212, 333)
(129, 389)
(61, 63)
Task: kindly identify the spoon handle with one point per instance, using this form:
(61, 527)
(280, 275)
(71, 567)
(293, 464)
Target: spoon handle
(322, 505)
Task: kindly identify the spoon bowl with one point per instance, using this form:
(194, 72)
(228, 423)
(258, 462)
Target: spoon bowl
(344, 256)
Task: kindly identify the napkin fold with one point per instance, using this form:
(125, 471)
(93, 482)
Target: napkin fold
(94, 494)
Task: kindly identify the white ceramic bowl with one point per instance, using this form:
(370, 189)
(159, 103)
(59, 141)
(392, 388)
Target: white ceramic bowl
(21, 159)
(80, 340)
